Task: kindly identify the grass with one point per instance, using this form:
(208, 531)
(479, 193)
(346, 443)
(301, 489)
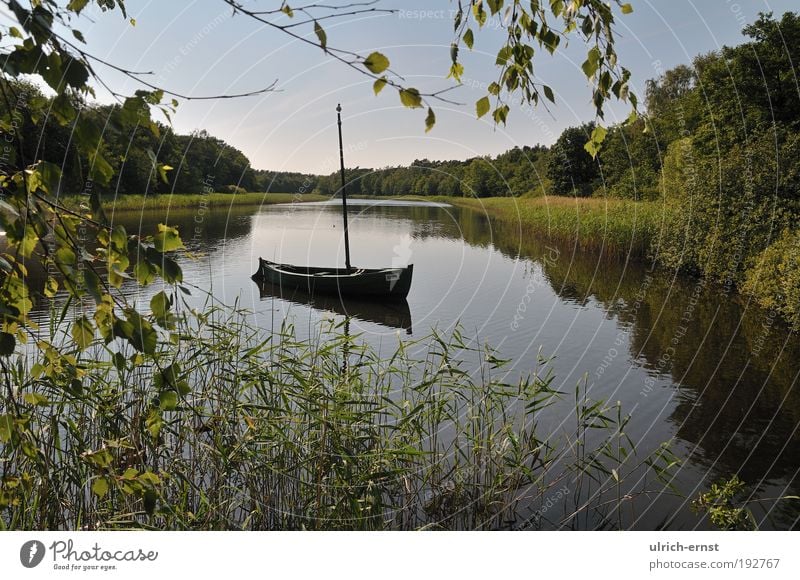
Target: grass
(173, 201)
(229, 427)
(616, 226)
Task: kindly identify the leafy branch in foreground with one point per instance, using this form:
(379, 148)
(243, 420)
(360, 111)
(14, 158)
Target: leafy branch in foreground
(528, 26)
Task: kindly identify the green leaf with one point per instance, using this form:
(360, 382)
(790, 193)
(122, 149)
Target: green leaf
(7, 344)
(482, 106)
(167, 239)
(410, 98)
(430, 120)
(321, 36)
(479, 13)
(456, 71)
(36, 399)
(376, 63)
(159, 305)
(626, 8)
(162, 172)
(100, 487)
(168, 400)
(6, 428)
(82, 332)
(469, 38)
(500, 114)
(50, 287)
(77, 5)
(154, 422)
(144, 272)
(494, 5)
(287, 10)
(171, 271)
(503, 56)
(599, 134)
(75, 73)
(378, 85)
(591, 63)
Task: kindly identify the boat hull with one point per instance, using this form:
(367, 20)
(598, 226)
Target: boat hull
(384, 283)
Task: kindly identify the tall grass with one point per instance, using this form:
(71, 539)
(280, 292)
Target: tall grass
(232, 428)
(164, 201)
(616, 226)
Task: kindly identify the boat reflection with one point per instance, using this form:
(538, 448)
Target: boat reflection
(393, 314)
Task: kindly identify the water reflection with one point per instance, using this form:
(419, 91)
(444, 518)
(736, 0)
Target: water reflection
(732, 366)
(395, 314)
(688, 360)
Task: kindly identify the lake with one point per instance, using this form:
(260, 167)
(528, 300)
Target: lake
(694, 365)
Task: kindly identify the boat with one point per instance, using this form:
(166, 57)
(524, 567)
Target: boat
(392, 283)
(386, 283)
(392, 314)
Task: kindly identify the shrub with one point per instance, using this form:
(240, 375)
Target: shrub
(774, 276)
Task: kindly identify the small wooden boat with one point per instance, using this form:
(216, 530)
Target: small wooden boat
(386, 283)
(391, 283)
(392, 314)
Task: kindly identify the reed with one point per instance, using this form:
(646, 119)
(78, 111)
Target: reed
(175, 200)
(615, 226)
(229, 427)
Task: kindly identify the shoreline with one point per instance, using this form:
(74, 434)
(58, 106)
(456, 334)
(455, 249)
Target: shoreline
(131, 202)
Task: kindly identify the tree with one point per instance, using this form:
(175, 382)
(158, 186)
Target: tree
(572, 169)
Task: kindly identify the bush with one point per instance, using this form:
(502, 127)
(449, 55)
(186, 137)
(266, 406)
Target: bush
(732, 208)
(774, 276)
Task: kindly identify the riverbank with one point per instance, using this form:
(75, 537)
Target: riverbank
(616, 226)
(177, 200)
(637, 229)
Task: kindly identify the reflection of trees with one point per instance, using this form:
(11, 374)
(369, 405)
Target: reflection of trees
(198, 226)
(734, 365)
(201, 228)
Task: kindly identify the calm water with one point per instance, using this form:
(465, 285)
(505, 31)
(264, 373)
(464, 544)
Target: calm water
(709, 371)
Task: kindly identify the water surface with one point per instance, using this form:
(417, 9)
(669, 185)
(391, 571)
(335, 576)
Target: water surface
(707, 370)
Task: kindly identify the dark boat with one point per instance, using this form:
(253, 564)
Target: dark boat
(391, 283)
(393, 314)
(386, 283)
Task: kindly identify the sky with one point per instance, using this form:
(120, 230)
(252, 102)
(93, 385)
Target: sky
(197, 47)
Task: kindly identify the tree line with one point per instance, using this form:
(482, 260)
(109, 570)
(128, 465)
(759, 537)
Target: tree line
(131, 154)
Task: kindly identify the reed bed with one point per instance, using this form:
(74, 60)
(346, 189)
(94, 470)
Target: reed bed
(614, 226)
(228, 427)
(193, 200)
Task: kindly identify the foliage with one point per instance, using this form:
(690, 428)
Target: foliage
(518, 171)
(572, 169)
(774, 276)
(528, 27)
(613, 226)
(718, 503)
(226, 429)
(200, 163)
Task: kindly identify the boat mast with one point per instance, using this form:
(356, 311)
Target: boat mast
(344, 193)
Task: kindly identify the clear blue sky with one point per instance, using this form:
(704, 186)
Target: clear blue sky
(197, 47)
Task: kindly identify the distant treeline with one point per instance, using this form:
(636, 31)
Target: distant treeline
(200, 162)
